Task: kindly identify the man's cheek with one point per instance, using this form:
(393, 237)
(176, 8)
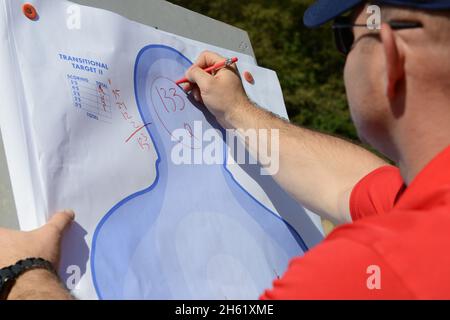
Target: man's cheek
(351, 86)
(351, 75)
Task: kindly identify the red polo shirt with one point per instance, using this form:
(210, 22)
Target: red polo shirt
(398, 246)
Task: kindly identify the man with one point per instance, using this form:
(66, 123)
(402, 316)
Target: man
(397, 80)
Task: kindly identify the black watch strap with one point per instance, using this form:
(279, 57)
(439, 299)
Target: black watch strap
(9, 274)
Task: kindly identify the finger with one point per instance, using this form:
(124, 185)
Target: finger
(61, 220)
(208, 58)
(196, 94)
(197, 75)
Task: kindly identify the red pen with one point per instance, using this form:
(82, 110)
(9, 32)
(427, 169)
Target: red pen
(216, 67)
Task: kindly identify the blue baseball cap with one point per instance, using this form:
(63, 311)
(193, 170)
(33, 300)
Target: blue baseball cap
(323, 11)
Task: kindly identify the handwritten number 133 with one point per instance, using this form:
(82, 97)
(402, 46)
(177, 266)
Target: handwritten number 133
(172, 98)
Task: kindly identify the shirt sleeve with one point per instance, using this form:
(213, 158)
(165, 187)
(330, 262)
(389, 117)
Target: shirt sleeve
(376, 193)
(338, 269)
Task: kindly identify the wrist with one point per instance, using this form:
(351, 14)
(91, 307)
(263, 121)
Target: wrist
(29, 279)
(37, 284)
(232, 119)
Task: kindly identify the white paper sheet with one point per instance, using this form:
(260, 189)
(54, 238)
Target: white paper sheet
(145, 228)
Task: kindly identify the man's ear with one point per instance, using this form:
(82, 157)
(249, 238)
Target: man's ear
(394, 60)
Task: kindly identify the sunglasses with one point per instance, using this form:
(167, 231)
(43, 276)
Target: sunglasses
(343, 31)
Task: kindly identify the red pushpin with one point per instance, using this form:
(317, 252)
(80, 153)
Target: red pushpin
(249, 77)
(29, 11)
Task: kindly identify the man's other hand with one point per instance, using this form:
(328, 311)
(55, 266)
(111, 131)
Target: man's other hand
(41, 243)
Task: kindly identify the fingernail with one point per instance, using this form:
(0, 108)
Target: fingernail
(196, 96)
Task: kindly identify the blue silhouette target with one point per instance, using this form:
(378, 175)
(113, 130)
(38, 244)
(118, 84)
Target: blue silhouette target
(194, 233)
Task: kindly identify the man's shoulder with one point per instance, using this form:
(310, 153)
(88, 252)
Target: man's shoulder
(400, 224)
(413, 243)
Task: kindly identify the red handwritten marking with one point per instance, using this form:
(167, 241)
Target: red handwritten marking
(143, 139)
(116, 93)
(102, 97)
(126, 115)
(135, 132)
(103, 103)
(162, 100)
(178, 107)
(176, 95)
(121, 104)
(143, 144)
(188, 128)
(135, 124)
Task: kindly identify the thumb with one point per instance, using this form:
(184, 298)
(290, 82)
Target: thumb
(61, 220)
(197, 75)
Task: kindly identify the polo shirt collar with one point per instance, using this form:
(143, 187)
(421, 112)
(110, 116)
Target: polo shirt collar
(429, 185)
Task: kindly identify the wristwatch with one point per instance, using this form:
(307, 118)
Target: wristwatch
(9, 274)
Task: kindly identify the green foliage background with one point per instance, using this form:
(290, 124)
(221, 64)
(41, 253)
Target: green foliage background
(306, 61)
